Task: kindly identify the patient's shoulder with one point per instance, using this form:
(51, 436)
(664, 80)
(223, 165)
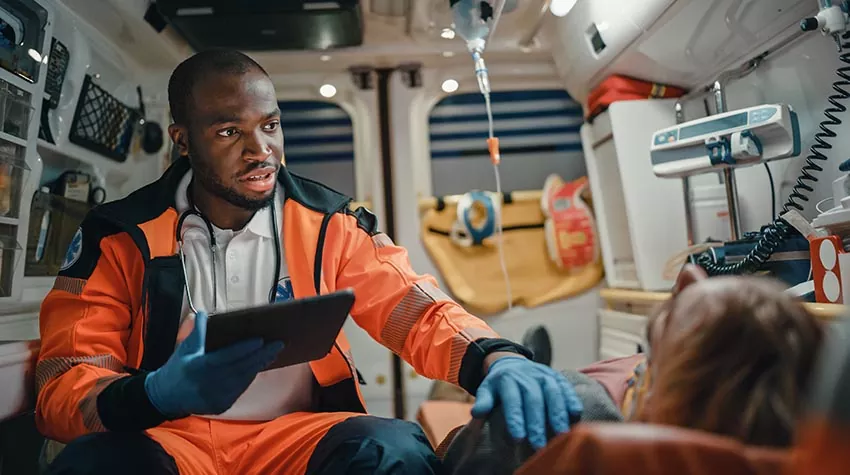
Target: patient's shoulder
(616, 375)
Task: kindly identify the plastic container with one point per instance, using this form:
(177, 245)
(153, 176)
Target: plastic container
(53, 222)
(9, 254)
(13, 174)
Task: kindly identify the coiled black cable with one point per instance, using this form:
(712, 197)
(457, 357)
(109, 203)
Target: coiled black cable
(776, 232)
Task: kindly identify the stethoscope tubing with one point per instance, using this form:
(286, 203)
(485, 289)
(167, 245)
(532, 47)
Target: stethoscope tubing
(210, 232)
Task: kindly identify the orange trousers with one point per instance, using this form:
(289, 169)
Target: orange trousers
(298, 443)
(203, 446)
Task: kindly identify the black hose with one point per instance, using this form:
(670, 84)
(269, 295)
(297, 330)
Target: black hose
(776, 232)
(772, 192)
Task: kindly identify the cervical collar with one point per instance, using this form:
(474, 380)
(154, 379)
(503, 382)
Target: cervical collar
(570, 228)
(467, 233)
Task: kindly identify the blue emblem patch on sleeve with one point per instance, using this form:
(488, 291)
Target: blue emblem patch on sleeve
(75, 250)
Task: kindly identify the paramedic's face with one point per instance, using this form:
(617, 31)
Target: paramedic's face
(234, 138)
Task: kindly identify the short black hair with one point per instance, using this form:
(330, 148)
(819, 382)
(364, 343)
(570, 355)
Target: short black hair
(202, 64)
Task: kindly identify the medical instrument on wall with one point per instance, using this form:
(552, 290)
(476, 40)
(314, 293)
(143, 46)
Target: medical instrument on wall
(475, 22)
(774, 234)
(151, 134)
(80, 186)
(193, 211)
(740, 138)
(836, 220)
(831, 20)
(830, 242)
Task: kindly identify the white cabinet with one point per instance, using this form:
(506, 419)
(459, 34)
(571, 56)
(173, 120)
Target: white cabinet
(640, 217)
(620, 333)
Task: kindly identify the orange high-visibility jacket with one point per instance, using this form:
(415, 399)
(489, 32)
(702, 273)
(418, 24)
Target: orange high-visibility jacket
(113, 313)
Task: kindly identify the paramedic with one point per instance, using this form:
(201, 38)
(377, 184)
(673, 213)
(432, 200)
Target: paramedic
(122, 373)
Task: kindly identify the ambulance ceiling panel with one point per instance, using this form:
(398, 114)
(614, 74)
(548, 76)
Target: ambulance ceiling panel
(680, 42)
(261, 25)
(122, 22)
(394, 31)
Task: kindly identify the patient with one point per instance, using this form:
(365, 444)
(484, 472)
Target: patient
(731, 356)
(727, 355)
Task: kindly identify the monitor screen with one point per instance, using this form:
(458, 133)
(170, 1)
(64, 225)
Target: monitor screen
(732, 121)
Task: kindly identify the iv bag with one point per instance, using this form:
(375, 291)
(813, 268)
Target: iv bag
(468, 21)
(473, 19)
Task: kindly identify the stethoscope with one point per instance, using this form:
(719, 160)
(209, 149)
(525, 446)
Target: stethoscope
(192, 211)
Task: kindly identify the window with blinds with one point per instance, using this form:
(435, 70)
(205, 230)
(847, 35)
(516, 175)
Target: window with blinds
(319, 143)
(538, 133)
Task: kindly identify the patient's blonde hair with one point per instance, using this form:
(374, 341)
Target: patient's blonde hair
(732, 356)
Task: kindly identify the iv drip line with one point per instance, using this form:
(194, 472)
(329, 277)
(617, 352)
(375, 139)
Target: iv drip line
(495, 159)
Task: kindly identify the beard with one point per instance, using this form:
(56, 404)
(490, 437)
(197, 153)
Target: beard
(212, 183)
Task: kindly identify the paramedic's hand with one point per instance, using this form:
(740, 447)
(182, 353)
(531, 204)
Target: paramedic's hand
(194, 382)
(531, 394)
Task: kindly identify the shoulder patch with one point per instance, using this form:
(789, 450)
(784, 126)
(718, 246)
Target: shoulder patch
(84, 250)
(365, 220)
(75, 250)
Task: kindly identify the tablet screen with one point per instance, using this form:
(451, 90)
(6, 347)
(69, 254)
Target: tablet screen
(308, 327)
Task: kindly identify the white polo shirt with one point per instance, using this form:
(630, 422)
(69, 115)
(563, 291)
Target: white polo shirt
(245, 263)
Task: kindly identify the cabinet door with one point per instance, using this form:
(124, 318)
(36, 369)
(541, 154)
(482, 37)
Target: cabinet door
(620, 333)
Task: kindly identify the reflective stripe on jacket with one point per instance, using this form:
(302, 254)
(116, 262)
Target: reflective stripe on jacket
(114, 310)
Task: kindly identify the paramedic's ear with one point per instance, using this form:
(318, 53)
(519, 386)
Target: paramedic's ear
(690, 274)
(180, 136)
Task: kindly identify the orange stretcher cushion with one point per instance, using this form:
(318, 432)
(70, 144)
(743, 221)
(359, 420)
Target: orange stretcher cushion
(644, 449)
(439, 418)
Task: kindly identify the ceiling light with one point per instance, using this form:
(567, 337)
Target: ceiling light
(325, 57)
(450, 86)
(327, 90)
(560, 8)
(448, 54)
(448, 33)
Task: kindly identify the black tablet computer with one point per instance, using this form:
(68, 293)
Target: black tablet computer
(308, 327)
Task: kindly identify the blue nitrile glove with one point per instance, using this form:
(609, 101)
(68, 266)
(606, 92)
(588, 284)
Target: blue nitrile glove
(530, 394)
(194, 382)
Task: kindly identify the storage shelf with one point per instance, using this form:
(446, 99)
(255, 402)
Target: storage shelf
(823, 311)
(11, 138)
(10, 221)
(17, 81)
(71, 156)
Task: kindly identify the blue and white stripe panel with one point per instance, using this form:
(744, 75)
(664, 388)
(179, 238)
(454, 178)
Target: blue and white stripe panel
(538, 133)
(319, 143)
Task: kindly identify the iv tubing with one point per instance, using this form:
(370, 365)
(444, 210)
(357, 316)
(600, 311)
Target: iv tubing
(494, 158)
